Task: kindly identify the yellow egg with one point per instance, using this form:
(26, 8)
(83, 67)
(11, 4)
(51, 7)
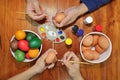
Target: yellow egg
(51, 57)
(33, 53)
(59, 17)
(20, 34)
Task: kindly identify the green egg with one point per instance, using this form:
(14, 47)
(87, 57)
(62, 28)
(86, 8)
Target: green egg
(35, 43)
(20, 55)
(30, 36)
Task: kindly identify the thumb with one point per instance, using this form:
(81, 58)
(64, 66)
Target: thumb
(67, 64)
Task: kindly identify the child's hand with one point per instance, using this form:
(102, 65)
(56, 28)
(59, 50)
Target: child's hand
(41, 64)
(73, 68)
(34, 11)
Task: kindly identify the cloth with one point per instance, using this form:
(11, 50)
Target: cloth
(94, 4)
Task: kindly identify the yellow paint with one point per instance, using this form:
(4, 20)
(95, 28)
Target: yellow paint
(68, 41)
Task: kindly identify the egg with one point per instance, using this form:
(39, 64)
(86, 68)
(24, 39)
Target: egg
(95, 39)
(19, 55)
(88, 54)
(103, 42)
(14, 45)
(85, 48)
(51, 57)
(35, 43)
(59, 17)
(88, 40)
(96, 55)
(99, 49)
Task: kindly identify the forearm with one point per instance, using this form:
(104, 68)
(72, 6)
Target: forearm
(77, 76)
(26, 75)
(82, 9)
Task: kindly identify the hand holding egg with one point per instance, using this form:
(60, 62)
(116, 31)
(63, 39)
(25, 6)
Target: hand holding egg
(51, 56)
(59, 17)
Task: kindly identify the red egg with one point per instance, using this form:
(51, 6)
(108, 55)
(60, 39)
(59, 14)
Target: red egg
(23, 45)
(27, 56)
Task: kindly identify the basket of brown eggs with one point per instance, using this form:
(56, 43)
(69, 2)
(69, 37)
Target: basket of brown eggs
(95, 47)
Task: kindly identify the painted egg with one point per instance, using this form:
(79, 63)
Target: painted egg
(33, 53)
(30, 36)
(59, 17)
(35, 43)
(103, 42)
(19, 55)
(51, 57)
(23, 45)
(20, 34)
(14, 45)
(27, 56)
(88, 40)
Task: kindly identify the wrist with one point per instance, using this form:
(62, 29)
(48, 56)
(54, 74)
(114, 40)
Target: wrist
(77, 76)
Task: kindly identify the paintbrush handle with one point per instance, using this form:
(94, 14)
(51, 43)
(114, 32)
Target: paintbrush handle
(78, 62)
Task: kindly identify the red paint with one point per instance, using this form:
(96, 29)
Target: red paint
(57, 40)
(98, 28)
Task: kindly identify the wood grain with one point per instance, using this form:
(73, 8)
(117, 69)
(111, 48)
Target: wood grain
(107, 16)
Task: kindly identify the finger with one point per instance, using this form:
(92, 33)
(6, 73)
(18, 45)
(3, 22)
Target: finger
(67, 64)
(37, 8)
(74, 57)
(66, 55)
(55, 23)
(51, 66)
(65, 21)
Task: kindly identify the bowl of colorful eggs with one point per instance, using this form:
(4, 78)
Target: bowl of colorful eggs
(95, 47)
(25, 45)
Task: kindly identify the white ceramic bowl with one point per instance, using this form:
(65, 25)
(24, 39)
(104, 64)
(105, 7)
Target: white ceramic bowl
(104, 56)
(27, 60)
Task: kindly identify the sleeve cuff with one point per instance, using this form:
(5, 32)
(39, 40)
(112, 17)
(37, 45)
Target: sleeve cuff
(94, 4)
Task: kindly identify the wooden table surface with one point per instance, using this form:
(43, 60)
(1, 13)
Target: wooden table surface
(10, 21)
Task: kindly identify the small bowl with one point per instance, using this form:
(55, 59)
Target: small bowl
(104, 56)
(40, 49)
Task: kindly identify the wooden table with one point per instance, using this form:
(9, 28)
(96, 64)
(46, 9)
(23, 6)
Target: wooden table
(107, 16)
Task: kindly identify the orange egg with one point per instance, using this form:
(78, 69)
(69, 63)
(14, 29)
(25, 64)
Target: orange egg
(51, 57)
(103, 42)
(88, 40)
(99, 49)
(85, 48)
(95, 39)
(59, 17)
(88, 54)
(96, 55)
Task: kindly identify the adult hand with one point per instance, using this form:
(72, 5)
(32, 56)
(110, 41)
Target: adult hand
(41, 64)
(72, 14)
(73, 68)
(34, 11)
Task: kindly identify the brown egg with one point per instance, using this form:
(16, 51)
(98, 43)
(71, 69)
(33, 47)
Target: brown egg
(99, 49)
(88, 40)
(51, 57)
(88, 54)
(96, 55)
(14, 45)
(59, 17)
(95, 39)
(103, 42)
(84, 48)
